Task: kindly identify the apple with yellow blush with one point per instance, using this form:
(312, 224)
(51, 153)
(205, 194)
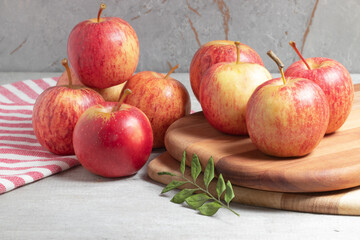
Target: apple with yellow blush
(57, 110)
(287, 116)
(215, 52)
(225, 90)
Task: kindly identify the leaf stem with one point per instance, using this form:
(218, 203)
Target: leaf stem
(210, 195)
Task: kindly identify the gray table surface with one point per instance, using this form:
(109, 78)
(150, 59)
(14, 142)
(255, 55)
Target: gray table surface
(76, 204)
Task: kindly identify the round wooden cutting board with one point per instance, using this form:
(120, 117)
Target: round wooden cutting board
(333, 165)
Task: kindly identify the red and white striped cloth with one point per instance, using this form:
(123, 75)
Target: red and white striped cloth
(22, 159)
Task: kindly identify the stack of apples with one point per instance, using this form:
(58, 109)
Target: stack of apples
(110, 128)
(284, 117)
(112, 119)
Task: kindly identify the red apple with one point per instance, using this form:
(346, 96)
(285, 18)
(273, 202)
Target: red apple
(56, 112)
(287, 117)
(162, 99)
(113, 139)
(110, 94)
(334, 80)
(225, 90)
(142, 77)
(214, 52)
(103, 52)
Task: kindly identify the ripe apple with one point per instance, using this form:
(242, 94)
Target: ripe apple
(110, 94)
(113, 139)
(142, 77)
(225, 90)
(162, 99)
(334, 80)
(214, 52)
(287, 117)
(56, 112)
(103, 52)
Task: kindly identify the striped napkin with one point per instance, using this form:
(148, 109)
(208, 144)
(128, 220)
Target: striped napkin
(22, 159)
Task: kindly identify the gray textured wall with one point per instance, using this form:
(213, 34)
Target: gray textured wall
(33, 33)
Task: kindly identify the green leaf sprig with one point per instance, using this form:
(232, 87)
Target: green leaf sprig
(204, 201)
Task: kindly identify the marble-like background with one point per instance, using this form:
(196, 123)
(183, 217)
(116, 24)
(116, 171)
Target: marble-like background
(33, 33)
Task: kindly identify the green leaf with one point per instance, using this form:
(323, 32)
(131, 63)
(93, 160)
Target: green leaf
(201, 201)
(182, 195)
(209, 172)
(197, 200)
(195, 167)
(182, 164)
(166, 173)
(209, 209)
(220, 186)
(229, 194)
(172, 185)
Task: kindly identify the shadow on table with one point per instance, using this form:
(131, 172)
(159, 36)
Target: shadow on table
(80, 174)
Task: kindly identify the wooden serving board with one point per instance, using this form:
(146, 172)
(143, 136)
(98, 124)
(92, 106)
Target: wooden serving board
(342, 202)
(333, 165)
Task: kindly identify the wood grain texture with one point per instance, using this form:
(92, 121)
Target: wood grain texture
(333, 165)
(343, 202)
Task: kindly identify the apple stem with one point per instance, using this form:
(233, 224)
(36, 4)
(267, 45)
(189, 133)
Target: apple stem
(293, 45)
(237, 44)
(278, 62)
(171, 71)
(64, 62)
(102, 7)
(126, 92)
